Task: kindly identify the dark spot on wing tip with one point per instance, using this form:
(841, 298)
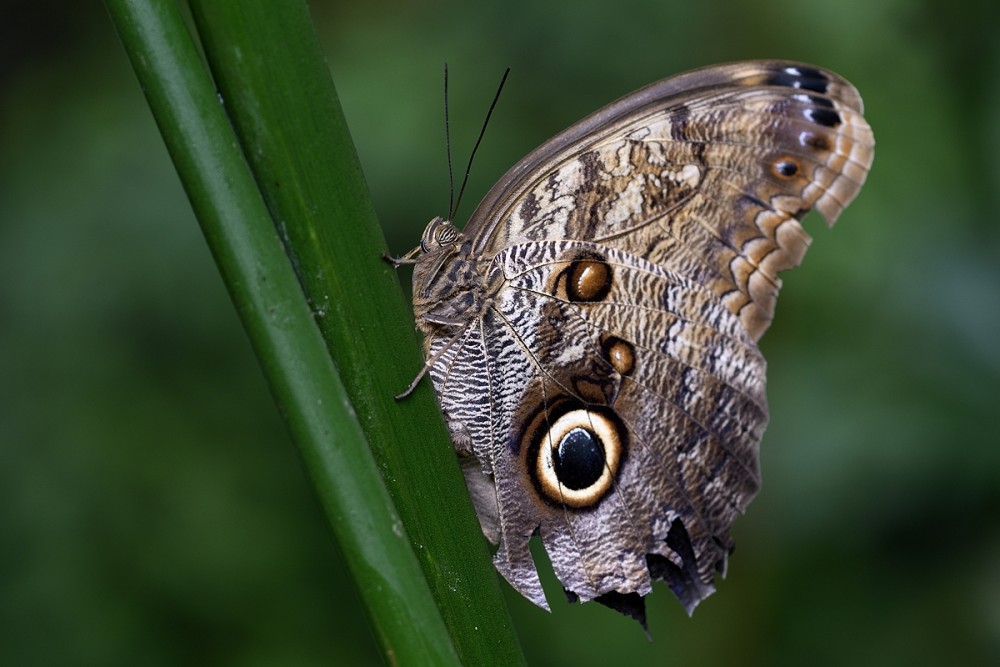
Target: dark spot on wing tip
(809, 72)
(825, 102)
(824, 117)
(803, 78)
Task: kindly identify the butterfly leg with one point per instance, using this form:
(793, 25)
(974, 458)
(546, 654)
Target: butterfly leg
(396, 262)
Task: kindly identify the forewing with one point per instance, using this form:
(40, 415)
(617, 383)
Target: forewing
(706, 174)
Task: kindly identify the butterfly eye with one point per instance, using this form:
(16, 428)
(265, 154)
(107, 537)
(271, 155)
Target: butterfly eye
(577, 457)
(446, 234)
(438, 233)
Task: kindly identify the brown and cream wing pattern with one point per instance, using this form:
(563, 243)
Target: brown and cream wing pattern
(707, 173)
(591, 334)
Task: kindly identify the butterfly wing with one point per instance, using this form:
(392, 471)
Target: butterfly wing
(707, 174)
(592, 335)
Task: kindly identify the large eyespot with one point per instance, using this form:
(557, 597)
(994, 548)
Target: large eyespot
(574, 459)
(588, 279)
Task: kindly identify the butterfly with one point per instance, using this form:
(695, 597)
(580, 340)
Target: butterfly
(592, 332)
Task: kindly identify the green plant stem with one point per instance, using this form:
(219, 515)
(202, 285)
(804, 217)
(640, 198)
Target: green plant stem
(267, 62)
(265, 290)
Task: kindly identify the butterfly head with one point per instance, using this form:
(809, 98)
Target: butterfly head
(446, 278)
(438, 234)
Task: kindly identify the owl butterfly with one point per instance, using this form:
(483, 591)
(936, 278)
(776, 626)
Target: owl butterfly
(592, 333)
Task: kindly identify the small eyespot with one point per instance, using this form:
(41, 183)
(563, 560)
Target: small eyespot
(588, 279)
(812, 140)
(620, 354)
(786, 168)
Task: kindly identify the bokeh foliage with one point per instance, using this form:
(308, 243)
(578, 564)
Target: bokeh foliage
(153, 512)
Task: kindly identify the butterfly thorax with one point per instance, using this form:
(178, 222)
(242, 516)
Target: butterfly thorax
(448, 281)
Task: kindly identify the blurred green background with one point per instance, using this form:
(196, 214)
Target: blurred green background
(153, 510)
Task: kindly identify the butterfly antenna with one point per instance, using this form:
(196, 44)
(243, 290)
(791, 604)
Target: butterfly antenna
(447, 144)
(482, 132)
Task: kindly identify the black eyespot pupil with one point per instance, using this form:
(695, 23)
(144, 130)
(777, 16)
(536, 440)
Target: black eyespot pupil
(787, 168)
(579, 460)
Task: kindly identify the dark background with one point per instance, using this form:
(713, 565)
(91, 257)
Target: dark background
(153, 511)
